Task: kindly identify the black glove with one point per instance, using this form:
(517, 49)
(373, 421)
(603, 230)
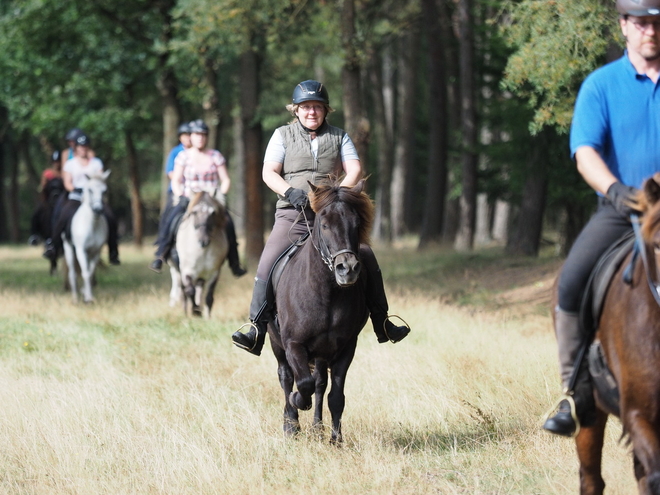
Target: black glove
(621, 197)
(297, 198)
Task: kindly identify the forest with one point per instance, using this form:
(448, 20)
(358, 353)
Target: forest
(460, 109)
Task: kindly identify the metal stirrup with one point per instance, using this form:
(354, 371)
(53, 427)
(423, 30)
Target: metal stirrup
(252, 325)
(568, 397)
(387, 318)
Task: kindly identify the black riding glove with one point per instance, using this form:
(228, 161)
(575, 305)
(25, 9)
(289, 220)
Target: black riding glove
(621, 197)
(297, 198)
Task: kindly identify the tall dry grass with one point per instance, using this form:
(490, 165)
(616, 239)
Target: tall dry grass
(129, 397)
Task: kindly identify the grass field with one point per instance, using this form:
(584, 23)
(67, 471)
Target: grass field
(127, 396)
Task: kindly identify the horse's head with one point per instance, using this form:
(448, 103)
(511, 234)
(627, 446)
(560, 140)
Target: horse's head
(207, 215)
(343, 221)
(94, 190)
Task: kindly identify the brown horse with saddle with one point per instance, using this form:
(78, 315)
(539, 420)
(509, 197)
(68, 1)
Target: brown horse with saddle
(623, 354)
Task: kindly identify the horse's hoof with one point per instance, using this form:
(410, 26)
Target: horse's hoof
(297, 401)
(291, 428)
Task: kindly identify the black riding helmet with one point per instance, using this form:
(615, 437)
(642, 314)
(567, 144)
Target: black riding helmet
(198, 126)
(73, 134)
(638, 8)
(82, 140)
(184, 129)
(310, 90)
(55, 157)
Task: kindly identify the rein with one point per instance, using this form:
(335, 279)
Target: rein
(641, 247)
(327, 257)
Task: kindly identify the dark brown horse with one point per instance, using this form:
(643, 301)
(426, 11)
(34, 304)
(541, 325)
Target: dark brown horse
(629, 333)
(321, 306)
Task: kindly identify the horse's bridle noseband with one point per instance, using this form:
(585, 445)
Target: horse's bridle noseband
(327, 257)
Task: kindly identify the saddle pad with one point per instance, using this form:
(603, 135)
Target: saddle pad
(599, 282)
(276, 272)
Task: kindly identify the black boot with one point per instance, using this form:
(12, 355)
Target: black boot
(232, 254)
(156, 265)
(577, 407)
(253, 340)
(385, 330)
(114, 258)
(50, 251)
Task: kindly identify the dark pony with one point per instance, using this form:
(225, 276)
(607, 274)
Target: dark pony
(321, 305)
(629, 334)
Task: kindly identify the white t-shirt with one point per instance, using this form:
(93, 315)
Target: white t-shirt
(275, 151)
(77, 171)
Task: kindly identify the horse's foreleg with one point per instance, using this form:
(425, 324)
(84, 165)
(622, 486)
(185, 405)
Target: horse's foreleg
(70, 257)
(199, 293)
(209, 296)
(87, 264)
(589, 443)
(175, 292)
(298, 359)
(321, 380)
(646, 448)
(291, 425)
(336, 397)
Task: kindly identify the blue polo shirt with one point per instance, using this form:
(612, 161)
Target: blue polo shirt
(169, 165)
(617, 112)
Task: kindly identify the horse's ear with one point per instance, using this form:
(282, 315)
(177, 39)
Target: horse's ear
(106, 174)
(312, 187)
(652, 189)
(359, 187)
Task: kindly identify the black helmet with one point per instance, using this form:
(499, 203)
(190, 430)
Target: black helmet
(82, 140)
(73, 134)
(184, 128)
(199, 127)
(310, 91)
(638, 7)
(55, 157)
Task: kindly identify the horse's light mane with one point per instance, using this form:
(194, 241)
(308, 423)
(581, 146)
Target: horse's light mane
(360, 202)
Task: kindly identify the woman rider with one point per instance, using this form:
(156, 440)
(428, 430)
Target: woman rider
(74, 175)
(308, 149)
(197, 169)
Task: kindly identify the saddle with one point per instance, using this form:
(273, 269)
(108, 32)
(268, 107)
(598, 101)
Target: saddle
(590, 312)
(276, 273)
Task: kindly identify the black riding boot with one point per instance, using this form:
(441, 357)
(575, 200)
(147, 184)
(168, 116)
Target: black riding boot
(253, 340)
(377, 303)
(577, 407)
(232, 255)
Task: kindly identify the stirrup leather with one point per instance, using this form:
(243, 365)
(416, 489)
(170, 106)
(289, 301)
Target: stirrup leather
(387, 318)
(251, 325)
(568, 397)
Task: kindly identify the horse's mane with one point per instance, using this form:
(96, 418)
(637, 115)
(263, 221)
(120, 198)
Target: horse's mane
(359, 201)
(206, 197)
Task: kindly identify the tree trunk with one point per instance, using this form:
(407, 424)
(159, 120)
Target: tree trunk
(469, 160)
(357, 126)
(403, 154)
(436, 185)
(14, 205)
(527, 233)
(212, 114)
(501, 221)
(249, 96)
(134, 189)
(384, 138)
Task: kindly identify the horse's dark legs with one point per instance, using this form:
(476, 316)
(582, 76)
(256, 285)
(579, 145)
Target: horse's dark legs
(210, 296)
(646, 447)
(285, 374)
(336, 397)
(589, 443)
(321, 381)
(298, 358)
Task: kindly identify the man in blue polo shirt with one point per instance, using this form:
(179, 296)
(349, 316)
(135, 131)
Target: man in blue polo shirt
(615, 140)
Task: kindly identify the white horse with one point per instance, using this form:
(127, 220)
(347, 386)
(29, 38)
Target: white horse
(201, 245)
(89, 232)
